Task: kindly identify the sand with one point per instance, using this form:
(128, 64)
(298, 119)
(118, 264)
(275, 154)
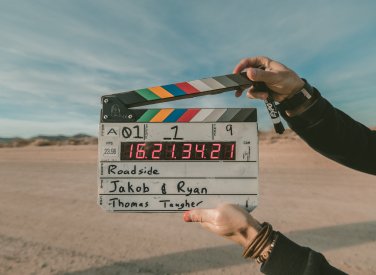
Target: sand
(50, 222)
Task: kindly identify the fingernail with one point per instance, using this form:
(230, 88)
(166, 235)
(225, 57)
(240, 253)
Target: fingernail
(187, 216)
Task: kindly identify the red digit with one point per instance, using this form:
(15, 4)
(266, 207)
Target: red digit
(131, 151)
(229, 151)
(140, 151)
(170, 151)
(232, 151)
(200, 150)
(186, 154)
(156, 154)
(215, 151)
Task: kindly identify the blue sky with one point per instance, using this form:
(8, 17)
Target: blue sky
(58, 57)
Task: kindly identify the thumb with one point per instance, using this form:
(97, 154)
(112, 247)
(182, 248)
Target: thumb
(256, 74)
(199, 215)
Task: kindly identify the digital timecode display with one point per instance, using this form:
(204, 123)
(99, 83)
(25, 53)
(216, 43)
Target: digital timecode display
(178, 151)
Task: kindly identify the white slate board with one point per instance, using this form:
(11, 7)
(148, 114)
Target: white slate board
(174, 185)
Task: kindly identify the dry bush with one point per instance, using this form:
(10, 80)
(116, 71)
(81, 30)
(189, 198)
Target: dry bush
(41, 142)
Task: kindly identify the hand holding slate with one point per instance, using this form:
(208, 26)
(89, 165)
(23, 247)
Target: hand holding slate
(282, 81)
(227, 220)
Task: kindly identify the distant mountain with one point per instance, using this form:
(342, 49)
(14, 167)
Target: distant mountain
(61, 137)
(44, 140)
(5, 140)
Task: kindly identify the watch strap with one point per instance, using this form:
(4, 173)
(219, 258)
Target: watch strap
(298, 98)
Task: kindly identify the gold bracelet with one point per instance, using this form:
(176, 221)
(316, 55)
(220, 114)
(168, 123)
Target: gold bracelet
(260, 242)
(263, 257)
(247, 251)
(263, 242)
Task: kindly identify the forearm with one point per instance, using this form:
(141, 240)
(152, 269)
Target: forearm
(289, 258)
(336, 135)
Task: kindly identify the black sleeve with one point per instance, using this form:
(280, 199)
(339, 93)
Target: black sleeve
(336, 135)
(289, 258)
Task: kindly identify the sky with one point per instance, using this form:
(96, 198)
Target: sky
(57, 58)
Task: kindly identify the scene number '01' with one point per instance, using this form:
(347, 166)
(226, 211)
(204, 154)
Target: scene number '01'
(178, 151)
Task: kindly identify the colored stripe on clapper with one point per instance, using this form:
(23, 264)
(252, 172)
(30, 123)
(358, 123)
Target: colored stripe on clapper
(162, 115)
(175, 115)
(202, 115)
(160, 92)
(188, 115)
(197, 115)
(147, 94)
(174, 90)
(186, 87)
(148, 115)
(199, 85)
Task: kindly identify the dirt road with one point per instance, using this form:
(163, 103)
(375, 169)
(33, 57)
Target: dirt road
(50, 222)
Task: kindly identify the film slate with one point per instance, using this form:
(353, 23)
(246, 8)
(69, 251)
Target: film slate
(171, 160)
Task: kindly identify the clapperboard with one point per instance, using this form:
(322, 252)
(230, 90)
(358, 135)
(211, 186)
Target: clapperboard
(171, 160)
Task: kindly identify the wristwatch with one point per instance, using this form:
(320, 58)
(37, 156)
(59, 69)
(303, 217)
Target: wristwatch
(306, 93)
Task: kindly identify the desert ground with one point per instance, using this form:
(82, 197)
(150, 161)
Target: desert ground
(50, 222)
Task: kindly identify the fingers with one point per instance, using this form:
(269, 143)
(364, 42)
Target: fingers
(252, 62)
(257, 94)
(187, 216)
(251, 93)
(261, 75)
(238, 93)
(199, 215)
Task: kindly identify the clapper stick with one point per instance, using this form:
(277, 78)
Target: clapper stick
(120, 110)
